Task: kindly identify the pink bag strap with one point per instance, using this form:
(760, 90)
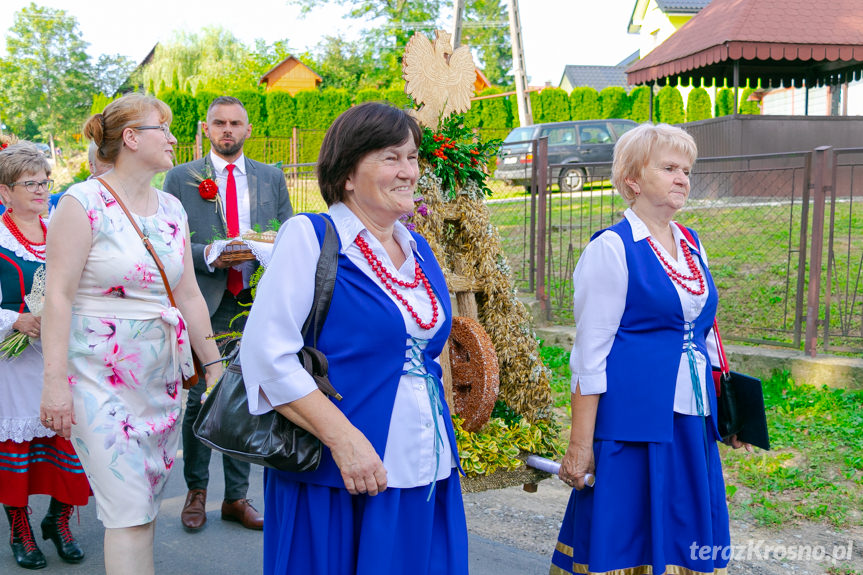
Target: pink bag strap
(723, 359)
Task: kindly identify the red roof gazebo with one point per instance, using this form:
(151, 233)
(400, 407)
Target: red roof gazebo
(779, 42)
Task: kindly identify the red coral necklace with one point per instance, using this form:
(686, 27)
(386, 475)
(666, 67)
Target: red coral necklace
(388, 280)
(678, 277)
(31, 247)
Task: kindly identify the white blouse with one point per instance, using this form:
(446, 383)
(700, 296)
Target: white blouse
(272, 337)
(600, 284)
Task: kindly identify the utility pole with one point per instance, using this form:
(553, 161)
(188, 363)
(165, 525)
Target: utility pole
(458, 10)
(525, 116)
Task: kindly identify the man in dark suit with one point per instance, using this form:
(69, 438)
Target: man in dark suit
(250, 194)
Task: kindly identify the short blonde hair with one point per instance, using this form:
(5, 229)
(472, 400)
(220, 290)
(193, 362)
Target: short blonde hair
(106, 129)
(19, 159)
(636, 147)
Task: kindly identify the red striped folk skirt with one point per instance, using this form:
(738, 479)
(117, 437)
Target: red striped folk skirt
(45, 465)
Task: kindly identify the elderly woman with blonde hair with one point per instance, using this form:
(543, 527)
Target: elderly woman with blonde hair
(642, 455)
(116, 348)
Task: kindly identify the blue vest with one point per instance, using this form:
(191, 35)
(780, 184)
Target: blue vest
(16, 280)
(365, 341)
(641, 369)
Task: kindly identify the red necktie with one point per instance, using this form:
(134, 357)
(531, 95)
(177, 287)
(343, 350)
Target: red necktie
(235, 276)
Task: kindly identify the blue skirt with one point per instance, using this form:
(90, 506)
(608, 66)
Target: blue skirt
(656, 508)
(318, 530)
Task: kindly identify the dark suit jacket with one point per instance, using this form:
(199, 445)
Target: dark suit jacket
(268, 200)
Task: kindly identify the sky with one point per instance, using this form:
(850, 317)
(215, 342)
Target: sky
(554, 32)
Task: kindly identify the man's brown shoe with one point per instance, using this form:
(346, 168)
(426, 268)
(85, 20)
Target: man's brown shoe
(194, 513)
(242, 511)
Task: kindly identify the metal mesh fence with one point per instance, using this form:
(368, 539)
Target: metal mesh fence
(843, 301)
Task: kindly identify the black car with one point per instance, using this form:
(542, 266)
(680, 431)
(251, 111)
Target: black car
(583, 141)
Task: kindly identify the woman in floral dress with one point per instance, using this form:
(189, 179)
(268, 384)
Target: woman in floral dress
(115, 349)
(33, 459)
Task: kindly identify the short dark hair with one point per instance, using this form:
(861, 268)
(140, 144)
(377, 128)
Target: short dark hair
(225, 101)
(360, 130)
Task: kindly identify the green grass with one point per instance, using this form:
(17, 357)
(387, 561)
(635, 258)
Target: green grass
(814, 471)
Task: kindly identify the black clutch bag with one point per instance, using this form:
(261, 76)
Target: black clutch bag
(224, 422)
(740, 404)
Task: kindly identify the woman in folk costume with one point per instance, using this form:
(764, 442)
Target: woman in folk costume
(386, 498)
(116, 349)
(33, 459)
(643, 400)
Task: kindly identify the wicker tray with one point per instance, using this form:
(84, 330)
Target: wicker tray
(237, 252)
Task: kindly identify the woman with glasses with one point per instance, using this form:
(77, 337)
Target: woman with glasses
(33, 459)
(115, 348)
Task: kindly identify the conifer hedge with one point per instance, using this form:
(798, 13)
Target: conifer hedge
(668, 106)
(724, 102)
(639, 99)
(697, 105)
(614, 102)
(584, 104)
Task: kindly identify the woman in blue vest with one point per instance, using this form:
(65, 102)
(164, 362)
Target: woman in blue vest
(386, 497)
(33, 459)
(649, 495)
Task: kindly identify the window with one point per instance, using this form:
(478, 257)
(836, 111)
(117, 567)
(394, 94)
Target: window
(594, 134)
(561, 136)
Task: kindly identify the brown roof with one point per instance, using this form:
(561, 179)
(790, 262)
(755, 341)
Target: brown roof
(779, 41)
(266, 77)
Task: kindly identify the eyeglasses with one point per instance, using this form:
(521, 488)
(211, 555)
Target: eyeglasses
(32, 185)
(166, 129)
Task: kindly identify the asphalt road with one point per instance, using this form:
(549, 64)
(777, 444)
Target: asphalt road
(221, 547)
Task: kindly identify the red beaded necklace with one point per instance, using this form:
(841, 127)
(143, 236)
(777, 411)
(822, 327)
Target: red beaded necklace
(19, 236)
(678, 277)
(388, 280)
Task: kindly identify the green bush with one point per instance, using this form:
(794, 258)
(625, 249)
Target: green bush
(368, 95)
(724, 102)
(185, 109)
(747, 107)
(614, 103)
(253, 101)
(496, 113)
(203, 99)
(668, 106)
(697, 105)
(639, 99)
(281, 114)
(100, 100)
(396, 97)
(584, 104)
(553, 106)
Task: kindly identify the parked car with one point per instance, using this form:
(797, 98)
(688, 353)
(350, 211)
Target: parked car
(583, 141)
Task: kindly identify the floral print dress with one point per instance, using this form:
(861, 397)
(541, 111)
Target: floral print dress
(127, 350)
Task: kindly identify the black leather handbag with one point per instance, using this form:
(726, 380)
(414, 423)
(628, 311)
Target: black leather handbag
(739, 403)
(224, 422)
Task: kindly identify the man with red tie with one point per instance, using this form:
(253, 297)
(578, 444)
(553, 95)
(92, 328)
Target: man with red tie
(249, 194)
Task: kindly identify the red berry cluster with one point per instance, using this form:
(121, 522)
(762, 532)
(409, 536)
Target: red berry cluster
(446, 143)
(208, 189)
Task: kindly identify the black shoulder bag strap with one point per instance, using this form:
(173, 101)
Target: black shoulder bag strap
(325, 282)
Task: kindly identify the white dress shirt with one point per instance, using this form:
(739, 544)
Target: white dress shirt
(271, 339)
(244, 210)
(600, 285)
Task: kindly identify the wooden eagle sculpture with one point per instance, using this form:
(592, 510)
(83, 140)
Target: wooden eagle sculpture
(440, 79)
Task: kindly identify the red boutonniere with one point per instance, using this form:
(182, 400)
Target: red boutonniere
(208, 189)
